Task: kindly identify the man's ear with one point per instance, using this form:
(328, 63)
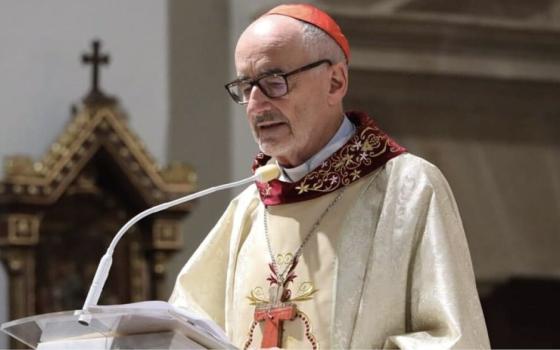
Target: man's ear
(338, 83)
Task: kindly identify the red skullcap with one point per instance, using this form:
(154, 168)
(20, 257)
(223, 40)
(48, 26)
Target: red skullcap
(312, 15)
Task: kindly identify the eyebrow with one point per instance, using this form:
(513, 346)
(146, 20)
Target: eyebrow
(266, 72)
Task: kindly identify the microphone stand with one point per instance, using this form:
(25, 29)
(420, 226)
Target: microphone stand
(263, 174)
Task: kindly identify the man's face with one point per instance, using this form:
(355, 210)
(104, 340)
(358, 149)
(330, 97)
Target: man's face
(287, 128)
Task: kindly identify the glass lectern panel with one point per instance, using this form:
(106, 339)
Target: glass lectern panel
(121, 328)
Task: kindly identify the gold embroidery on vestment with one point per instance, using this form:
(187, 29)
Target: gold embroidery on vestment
(305, 291)
(343, 167)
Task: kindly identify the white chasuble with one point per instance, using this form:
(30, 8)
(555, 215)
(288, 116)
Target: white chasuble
(313, 288)
(388, 266)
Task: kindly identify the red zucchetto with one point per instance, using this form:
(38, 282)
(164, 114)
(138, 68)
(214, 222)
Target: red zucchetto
(312, 15)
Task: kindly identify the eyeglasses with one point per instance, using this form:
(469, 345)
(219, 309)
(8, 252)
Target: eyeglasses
(273, 85)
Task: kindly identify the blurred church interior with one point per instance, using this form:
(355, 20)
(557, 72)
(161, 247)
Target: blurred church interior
(473, 86)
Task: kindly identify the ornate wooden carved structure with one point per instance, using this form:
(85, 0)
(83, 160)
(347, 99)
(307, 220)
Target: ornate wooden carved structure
(58, 214)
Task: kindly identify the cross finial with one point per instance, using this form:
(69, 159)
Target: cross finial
(96, 59)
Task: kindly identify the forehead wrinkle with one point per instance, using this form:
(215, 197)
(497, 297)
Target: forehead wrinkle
(265, 38)
(261, 53)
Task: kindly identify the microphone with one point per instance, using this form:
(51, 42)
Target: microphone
(263, 174)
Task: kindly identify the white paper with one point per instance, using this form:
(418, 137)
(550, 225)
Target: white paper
(200, 324)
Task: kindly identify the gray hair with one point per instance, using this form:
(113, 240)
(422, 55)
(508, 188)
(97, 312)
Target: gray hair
(321, 45)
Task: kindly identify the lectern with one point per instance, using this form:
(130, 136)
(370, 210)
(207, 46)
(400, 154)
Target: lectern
(116, 327)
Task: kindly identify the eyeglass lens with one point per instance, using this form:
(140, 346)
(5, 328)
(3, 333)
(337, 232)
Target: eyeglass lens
(271, 86)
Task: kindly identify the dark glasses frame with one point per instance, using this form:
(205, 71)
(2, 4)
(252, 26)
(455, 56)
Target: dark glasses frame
(243, 99)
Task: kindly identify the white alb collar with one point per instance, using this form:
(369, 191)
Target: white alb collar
(344, 133)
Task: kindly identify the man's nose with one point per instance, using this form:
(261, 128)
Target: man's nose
(258, 101)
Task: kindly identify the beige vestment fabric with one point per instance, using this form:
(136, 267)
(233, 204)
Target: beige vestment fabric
(388, 267)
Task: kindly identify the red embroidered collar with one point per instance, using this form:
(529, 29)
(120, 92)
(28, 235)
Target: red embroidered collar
(369, 149)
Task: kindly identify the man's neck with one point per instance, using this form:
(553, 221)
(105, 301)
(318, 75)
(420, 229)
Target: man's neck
(343, 134)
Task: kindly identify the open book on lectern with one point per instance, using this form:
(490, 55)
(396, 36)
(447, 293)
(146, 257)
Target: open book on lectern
(199, 325)
(143, 325)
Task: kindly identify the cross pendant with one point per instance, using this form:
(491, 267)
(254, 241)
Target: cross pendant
(273, 318)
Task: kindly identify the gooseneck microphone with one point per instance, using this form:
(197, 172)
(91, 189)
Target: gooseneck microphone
(263, 174)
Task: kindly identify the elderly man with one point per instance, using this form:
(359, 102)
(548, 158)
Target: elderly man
(358, 244)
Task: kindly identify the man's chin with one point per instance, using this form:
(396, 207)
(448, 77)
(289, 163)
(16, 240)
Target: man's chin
(274, 150)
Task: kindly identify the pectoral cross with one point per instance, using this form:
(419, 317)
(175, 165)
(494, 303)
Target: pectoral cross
(273, 315)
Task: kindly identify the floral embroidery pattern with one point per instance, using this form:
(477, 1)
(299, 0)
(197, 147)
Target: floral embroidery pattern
(305, 291)
(344, 167)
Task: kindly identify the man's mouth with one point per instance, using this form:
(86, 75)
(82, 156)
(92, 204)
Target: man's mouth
(269, 125)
